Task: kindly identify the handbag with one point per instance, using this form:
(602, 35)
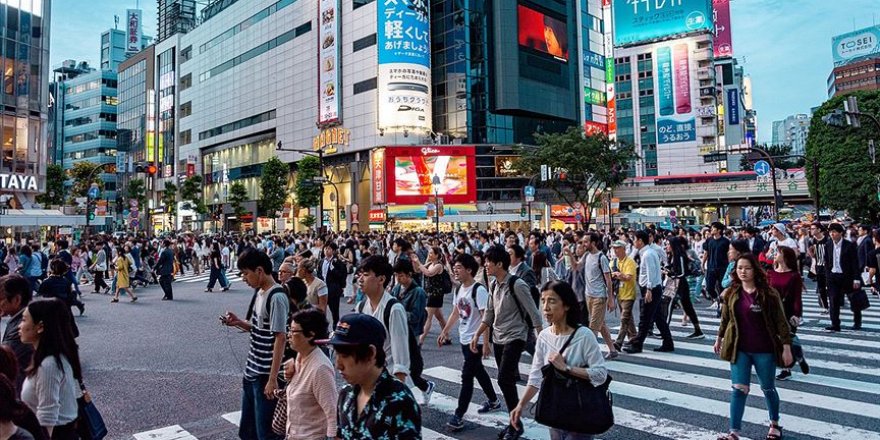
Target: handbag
(279, 418)
(858, 300)
(563, 395)
(671, 287)
(89, 423)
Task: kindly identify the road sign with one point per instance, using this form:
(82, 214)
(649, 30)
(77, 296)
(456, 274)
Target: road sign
(134, 223)
(762, 168)
(529, 192)
(93, 191)
(578, 217)
(133, 203)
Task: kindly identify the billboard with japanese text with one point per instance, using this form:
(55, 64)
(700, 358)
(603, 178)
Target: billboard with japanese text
(133, 30)
(410, 172)
(723, 44)
(329, 93)
(637, 21)
(404, 55)
(674, 97)
(855, 45)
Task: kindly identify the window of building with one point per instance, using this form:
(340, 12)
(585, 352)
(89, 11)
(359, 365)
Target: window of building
(186, 81)
(237, 125)
(257, 51)
(363, 43)
(186, 54)
(363, 86)
(245, 24)
(186, 109)
(186, 137)
(358, 3)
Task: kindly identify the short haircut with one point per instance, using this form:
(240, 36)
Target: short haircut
(518, 251)
(741, 246)
(719, 226)
(332, 245)
(469, 263)
(642, 235)
(403, 265)
(836, 227)
(58, 267)
(498, 255)
(379, 265)
(314, 324)
(820, 226)
(251, 259)
(13, 285)
(361, 353)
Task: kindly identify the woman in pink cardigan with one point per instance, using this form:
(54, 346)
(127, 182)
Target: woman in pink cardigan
(311, 393)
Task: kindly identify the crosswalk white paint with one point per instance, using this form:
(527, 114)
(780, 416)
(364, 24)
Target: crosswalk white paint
(175, 432)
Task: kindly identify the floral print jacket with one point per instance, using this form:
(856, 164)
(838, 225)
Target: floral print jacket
(391, 413)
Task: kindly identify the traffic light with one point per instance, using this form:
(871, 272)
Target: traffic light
(140, 167)
(151, 169)
(522, 212)
(91, 208)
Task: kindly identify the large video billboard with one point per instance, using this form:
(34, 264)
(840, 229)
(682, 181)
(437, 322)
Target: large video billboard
(410, 171)
(542, 32)
(404, 80)
(856, 45)
(637, 21)
(674, 98)
(329, 93)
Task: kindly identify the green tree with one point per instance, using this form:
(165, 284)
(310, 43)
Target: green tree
(308, 221)
(54, 194)
(137, 190)
(191, 194)
(237, 196)
(273, 186)
(169, 198)
(308, 193)
(776, 152)
(84, 174)
(582, 165)
(847, 178)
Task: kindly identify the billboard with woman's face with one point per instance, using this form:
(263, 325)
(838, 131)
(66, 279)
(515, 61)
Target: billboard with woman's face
(542, 32)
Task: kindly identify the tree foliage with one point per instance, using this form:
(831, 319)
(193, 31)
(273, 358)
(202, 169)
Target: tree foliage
(54, 194)
(847, 178)
(237, 196)
(169, 197)
(137, 190)
(308, 193)
(776, 152)
(308, 221)
(191, 194)
(582, 166)
(273, 186)
(84, 174)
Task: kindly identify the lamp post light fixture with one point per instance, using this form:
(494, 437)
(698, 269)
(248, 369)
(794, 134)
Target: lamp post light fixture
(435, 182)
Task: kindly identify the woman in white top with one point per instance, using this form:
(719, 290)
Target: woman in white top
(52, 384)
(316, 288)
(582, 358)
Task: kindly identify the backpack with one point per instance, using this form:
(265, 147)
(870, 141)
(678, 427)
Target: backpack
(510, 284)
(288, 352)
(416, 363)
(422, 314)
(693, 268)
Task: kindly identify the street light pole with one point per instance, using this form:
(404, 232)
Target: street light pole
(436, 183)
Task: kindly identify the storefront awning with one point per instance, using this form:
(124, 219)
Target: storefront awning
(44, 217)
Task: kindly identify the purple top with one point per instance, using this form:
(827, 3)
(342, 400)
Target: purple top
(753, 334)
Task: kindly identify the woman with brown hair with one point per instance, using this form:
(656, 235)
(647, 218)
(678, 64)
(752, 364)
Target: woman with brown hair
(786, 279)
(753, 332)
(433, 271)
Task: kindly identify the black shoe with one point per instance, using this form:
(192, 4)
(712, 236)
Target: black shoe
(632, 349)
(783, 375)
(665, 349)
(618, 346)
(503, 434)
(805, 368)
(514, 433)
(857, 327)
(82, 308)
(488, 407)
(832, 328)
(696, 335)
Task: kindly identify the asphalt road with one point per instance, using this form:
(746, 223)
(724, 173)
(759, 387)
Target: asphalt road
(164, 370)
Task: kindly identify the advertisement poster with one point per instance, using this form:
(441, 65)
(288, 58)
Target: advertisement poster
(637, 21)
(377, 176)
(410, 172)
(542, 33)
(723, 44)
(404, 53)
(329, 99)
(733, 106)
(133, 30)
(609, 70)
(676, 121)
(855, 45)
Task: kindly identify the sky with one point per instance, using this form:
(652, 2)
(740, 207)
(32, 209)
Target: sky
(784, 45)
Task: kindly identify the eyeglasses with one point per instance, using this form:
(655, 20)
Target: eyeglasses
(296, 331)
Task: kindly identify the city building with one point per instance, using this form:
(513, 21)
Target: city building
(114, 50)
(175, 17)
(856, 57)
(792, 132)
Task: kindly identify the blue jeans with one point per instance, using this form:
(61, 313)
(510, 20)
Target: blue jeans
(558, 434)
(256, 411)
(741, 374)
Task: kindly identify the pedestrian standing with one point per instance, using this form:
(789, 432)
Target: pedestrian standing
(753, 333)
(165, 269)
(787, 281)
(469, 305)
(15, 295)
(818, 246)
(715, 261)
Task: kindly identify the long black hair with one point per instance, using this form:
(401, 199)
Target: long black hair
(565, 292)
(57, 338)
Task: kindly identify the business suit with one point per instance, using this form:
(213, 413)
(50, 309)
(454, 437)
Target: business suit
(758, 245)
(865, 248)
(334, 273)
(164, 268)
(841, 283)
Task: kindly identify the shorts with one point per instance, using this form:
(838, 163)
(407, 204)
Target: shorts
(596, 306)
(435, 301)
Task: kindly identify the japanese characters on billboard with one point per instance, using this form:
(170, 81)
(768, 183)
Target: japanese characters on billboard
(133, 30)
(733, 106)
(377, 176)
(856, 45)
(637, 21)
(404, 52)
(676, 121)
(723, 44)
(543, 33)
(329, 92)
(609, 70)
(410, 173)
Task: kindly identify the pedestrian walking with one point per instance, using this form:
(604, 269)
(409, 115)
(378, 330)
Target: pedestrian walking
(753, 333)
(165, 269)
(216, 267)
(15, 295)
(434, 271)
(842, 274)
(715, 261)
(651, 285)
(599, 294)
(785, 278)
(99, 268)
(817, 253)
(58, 285)
(334, 273)
(623, 272)
(122, 281)
(679, 262)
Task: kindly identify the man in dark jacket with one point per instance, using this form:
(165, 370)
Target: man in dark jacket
(865, 245)
(15, 294)
(334, 273)
(164, 268)
(843, 275)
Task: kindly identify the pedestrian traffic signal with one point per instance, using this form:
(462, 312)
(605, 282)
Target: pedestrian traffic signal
(522, 211)
(151, 169)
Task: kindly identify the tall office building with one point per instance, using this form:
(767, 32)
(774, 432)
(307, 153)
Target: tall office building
(175, 17)
(792, 132)
(856, 57)
(113, 48)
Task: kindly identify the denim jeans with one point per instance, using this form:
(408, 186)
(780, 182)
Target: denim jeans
(473, 368)
(558, 434)
(256, 411)
(741, 374)
(507, 358)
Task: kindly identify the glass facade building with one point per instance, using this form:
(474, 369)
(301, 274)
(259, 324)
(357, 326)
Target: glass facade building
(25, 63)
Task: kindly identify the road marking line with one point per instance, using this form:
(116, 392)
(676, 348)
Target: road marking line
(175, 432)
(233, 417)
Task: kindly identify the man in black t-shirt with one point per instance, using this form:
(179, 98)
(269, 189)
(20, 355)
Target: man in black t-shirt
(715, 260)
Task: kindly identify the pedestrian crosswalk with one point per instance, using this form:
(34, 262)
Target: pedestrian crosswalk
(685, 395)
(203, 277)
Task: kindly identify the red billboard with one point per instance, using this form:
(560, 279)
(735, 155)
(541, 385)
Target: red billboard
(723, 44)
(410, 172)
(542, 33)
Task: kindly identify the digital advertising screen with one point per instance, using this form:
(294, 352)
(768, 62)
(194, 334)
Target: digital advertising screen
(410, 173)
(542, 33)
(640, 21)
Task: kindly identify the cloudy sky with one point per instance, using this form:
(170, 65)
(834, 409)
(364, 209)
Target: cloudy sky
(784, 45)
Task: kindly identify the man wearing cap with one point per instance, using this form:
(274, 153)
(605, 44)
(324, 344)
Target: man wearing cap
(623, 272)
(780, 238)
(374, 404)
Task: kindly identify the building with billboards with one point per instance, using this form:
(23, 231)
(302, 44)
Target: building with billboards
(856, 58)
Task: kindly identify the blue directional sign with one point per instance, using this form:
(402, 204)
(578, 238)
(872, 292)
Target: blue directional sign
(93, 192)
(529, 191)
(762, 168)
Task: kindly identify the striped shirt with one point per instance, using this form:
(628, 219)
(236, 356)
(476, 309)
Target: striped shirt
(312, 398)
(263, 331)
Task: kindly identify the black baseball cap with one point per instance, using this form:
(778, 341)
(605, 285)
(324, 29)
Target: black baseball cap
(358, 329)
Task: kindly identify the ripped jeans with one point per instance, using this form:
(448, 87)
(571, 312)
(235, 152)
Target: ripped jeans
(741, 375)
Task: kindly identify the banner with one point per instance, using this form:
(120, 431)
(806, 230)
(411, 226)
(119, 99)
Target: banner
(856, 45)
(733, 106)
(609, 70)
(377, 176)
(404, 71)
(723, 44)
(329, 92)
(664, 81)
(133, 31)
(676, 121)
(637, 21)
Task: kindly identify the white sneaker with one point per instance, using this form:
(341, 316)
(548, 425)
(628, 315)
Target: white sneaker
(426, 396)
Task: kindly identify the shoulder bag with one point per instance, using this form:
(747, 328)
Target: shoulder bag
(563, 395)
(279, 418)
(858, 300)
(89, 423)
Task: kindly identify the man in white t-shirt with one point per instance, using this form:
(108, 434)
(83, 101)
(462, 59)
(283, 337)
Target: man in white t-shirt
(780, 238)
(469, 304)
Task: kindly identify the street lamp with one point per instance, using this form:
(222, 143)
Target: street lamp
(217, 202)
(435, 182)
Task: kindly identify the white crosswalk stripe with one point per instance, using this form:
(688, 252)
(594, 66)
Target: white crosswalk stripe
(657, 394)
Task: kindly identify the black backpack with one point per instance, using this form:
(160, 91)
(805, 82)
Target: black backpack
(510, 285)
(416, 363)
